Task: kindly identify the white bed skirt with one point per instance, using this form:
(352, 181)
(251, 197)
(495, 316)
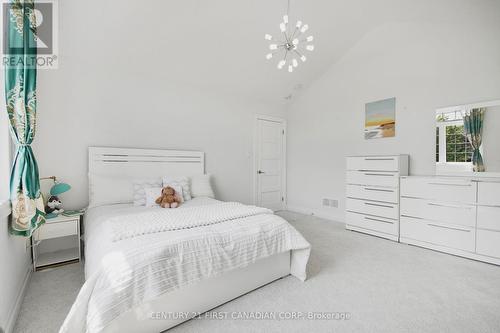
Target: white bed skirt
(158, 315)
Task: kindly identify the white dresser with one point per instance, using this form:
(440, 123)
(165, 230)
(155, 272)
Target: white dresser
(372, 204)
(452, 214)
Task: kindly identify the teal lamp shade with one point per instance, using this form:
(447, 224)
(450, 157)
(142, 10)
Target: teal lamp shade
(59, 188)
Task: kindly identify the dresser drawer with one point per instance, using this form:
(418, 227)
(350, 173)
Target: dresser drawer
(373, 178)
(488, 217)
(373, 193)
(54, 230)
(437, 211)
(373, 163)
(448, 235)
(387, 210)
(488, 194)
(453, 190)
(374, 223)
(488, 243)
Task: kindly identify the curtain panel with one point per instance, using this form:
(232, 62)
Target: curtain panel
(20, 94)
(473, 124)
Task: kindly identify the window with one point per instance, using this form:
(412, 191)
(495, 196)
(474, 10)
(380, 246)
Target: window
(452, 145)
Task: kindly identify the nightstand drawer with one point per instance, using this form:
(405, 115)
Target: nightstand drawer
(59, 229)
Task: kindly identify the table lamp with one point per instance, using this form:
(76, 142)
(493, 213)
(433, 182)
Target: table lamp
(54, 204)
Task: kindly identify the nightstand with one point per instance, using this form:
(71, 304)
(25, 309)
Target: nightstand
(56, 242)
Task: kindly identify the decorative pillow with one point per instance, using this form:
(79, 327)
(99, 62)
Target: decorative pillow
(182, 181)
(200, 186)
(107, 190)
(153, 193)
(139, 185)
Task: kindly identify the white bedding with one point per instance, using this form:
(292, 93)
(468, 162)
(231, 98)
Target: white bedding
(123, 272)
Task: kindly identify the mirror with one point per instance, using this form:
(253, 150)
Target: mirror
(453, 149)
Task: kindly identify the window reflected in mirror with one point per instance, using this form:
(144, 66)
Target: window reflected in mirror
(453, 149)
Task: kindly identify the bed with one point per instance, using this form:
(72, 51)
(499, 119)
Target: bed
(149, 269)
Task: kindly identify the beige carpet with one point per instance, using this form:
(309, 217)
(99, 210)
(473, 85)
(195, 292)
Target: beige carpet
(382, 285)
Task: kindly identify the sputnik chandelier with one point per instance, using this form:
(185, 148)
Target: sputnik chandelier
(291, 45)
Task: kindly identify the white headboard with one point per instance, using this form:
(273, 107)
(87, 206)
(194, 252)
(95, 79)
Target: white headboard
(144, 163)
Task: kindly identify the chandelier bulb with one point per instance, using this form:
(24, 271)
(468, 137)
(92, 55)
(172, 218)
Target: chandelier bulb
(310, 38)
(310, 47)
(274, 47)
(281, 64)
(285, 19)
(290, 68)
(304, 28)
(269, 56)
(295, 62)
(268, 37)
(295, 41)
(283, 27)
(303, 58)
(299, 24)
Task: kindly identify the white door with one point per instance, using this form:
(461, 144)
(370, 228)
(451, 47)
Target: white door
(269, 163)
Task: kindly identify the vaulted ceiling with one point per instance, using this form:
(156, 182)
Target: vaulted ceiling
(219, 44)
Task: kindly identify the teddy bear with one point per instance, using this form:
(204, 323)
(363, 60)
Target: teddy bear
(169, 198)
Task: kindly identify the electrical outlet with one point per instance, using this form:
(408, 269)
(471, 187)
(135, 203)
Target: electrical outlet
(331, 203)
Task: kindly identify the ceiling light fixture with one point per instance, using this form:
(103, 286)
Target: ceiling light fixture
(291, 44)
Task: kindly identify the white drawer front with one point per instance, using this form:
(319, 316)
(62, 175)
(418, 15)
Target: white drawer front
(373, 163)
(373, 193)
(452, 236)
(454, 190)
(488, 243)
(379, 224)
(437, 211)
(373, 178)
(54, 230)
(488, 194)
(387, 210)
(488, 217)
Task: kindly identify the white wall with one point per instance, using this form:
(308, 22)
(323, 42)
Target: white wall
(14, 268)
(119, 83)
(491, 139)
(424, 64)
(114, 111)
(14, 257)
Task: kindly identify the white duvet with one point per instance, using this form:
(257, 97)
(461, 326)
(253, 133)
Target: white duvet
(135, 254)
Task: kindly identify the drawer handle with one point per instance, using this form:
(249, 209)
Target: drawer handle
(378, 190)
(378, 205)
(379, 159)
(377, 220)
(378, 174)
(448, 206)
(447, 184)
(445, 227)
(412, 217)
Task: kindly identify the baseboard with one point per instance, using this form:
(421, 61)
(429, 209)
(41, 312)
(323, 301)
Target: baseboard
(11, 321)
(332, 217)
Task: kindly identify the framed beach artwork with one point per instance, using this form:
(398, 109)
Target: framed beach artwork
(380, 121)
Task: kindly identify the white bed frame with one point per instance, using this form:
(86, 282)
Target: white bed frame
(157, 315)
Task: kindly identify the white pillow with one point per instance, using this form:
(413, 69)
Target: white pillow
(153, 193)
(138, 187)
(108, 190)
(182, 181)
(200, 186)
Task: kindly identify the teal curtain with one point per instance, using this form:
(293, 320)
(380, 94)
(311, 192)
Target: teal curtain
(20, 93)
(473, 124)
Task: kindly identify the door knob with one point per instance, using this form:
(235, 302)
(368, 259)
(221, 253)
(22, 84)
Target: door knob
(260, 172)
